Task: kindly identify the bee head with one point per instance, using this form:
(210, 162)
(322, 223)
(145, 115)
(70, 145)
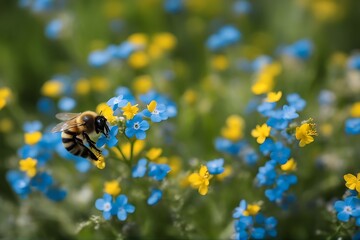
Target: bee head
(101, 125)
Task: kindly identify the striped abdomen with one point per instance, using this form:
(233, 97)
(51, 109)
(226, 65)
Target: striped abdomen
(75, 145)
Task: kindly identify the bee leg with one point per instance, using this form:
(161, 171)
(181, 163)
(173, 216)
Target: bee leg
(91, 142)
(87, 152)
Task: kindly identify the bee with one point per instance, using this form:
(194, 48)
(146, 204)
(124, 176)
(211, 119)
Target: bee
(75, 129)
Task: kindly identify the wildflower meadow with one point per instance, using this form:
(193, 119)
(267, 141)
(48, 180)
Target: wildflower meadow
(180, 119)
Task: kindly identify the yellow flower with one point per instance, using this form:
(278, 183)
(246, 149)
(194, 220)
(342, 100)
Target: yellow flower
(200, 180)
(165, 41)
(82, 87)
(152, 106)
(32, 138)
(112, 188)
(138, 60)
(261, 133)
(6, 125)
(100, 84)
(355, 110)
(290, 165)
(52, 88)
(352, 182)
(100, 163)
(252, 209)
(220, 63)
(5, 95)
(266, 79)
(175, 165)
(130, 110)
(154, 153)
(139, 39)
(305, 133)
(273, 96)
(234, 128)
(190, 96)
(126, 148)
(142, 84)
(107, 112)
(113, 9)
(28, 165)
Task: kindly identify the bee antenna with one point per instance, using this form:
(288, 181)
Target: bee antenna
(100, 113)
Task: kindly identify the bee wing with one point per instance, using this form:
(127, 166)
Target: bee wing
(64, 126)
(66, 116)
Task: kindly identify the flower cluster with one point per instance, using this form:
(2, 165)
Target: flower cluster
(114, 207)
(225, 36)
(250, 223)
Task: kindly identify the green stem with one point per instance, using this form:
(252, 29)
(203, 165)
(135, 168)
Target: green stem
(132, 143)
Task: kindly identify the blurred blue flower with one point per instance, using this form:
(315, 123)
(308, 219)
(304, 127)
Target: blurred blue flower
(280, 153)
(55, 194)
(274, 194)
(139, 169)
(42, 5)
(41, 181)
(173, 6)
(111, 140)
(258, 233)
(267, 147)
(136, 127)
(241, 7)
(326, 97)
(66, 104)
(105, 205)
(266, 108)
(54, 28)
(277, 123)
(352, 126)
(19, 182)
(267, 174)
(284, 181)
(260, 62)
(225, 36)
(99, 58)
(226, 146)
(301, 49)
(155, 197)
(125, 49)
(215, 166)
(296, 101)
(32, 126)
(354, 62)
(158, 171)
(270, 226)
(126, 93)
(46, 105)
(238, 212)
(123, 207)
(250, 156)
(117, 102)
(289, 113)
(347, 208)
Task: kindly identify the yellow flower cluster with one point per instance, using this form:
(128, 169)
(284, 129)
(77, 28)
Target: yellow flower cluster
(265, 80)
(5, 95)
(234, 129)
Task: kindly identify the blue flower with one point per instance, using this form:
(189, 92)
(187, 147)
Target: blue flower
(270, 226)
(158, 171)
(155, 197)
(238, 212)
(284, 181)
(54, 28)
(289, 113)
(296, 101)
(216, 166)
(352, 126)
(242, 7)
(258, 233)
(159, 114)
(347, 208)
(19, 182)
(136, 127)
(250, 156)
(125, 49)
(267, 174)
(354, 62)
(326, 97)
(42, 181)
(301, 49)
(126, 93)
(226, 146)
(117, 102)
(46, 105)
(111, 140)
(260, 62)
(99, 58)
(173, 6)
(277, 123)
(32, 126)
(267, 147)
(280, 153)
(139, 169)
(105, 205)
(123, 207)
(226, 36)
(266, 108)
(274, 194)
(55, 194)
(66, 104)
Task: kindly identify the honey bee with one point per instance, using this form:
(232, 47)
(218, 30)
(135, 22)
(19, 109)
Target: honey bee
(76, 128)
